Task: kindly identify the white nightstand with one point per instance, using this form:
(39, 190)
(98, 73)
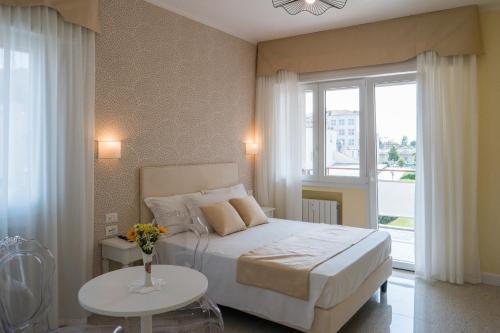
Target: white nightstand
(119, 250)
(269, 211)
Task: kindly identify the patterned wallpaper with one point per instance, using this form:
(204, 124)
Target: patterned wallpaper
(175, 92)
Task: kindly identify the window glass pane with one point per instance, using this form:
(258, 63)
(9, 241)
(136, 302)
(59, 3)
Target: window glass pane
(396, 117)
(308, 149)
(396, 124)
(342, 132)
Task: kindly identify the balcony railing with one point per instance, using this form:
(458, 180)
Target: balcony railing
(396, 196)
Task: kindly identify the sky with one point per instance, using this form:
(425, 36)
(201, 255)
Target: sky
(396, 107)
(396, 110)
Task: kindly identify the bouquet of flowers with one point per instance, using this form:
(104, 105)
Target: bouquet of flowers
(146, 235)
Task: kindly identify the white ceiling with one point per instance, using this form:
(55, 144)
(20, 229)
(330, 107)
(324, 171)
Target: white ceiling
(258, 20)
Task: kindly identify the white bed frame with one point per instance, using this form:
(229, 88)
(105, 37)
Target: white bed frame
(181, 179)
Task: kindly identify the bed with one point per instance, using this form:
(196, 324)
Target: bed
(338, 287)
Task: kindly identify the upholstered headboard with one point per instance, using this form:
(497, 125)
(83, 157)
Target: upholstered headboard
(162, 181)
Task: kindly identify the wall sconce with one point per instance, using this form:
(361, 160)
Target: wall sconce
(109, 149)
(251, 148)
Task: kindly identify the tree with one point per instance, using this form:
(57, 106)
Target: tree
(404, 141)
(401, 162)
(413, 144)
(408, 176)
(393, 154)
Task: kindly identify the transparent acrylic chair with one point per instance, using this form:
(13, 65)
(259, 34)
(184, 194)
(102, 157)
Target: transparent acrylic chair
(26, 285)
(203, 315)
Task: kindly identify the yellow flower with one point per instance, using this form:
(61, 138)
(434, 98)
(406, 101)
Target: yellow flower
(162, 229)
(131, 235)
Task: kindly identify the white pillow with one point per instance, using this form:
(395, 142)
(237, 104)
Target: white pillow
(194, 203)
(171, 210)
(239, 191)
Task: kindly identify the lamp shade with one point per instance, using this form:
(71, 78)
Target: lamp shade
(251, 148)
(109, 149)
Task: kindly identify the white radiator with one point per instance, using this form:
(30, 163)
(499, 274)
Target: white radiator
(320, 211)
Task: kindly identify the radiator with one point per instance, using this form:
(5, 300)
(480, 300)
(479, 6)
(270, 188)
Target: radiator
(320, 211)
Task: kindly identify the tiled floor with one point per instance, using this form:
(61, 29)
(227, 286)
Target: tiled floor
(410, 305)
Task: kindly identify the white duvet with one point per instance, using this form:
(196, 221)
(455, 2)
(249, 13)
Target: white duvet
(330, 283)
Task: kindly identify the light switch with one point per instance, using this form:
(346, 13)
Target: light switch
(111, 230)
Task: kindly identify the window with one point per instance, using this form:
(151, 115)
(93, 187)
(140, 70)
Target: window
(340, 153)
(330, 124)
(340, 102)
(328, 153)
(308, 150)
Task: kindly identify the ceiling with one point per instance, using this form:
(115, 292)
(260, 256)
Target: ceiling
(258, 20)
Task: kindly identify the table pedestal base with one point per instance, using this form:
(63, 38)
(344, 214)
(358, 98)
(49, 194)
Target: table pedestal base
(146, 324)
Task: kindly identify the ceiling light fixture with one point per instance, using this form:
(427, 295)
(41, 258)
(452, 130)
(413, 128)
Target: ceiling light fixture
(316, 7)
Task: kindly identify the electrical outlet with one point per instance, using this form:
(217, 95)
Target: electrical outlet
(111, 230)
(111, 218)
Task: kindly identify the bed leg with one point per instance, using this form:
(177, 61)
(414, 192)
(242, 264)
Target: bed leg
(383, 287)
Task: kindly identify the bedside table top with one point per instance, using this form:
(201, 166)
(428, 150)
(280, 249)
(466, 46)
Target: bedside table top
(118, 243)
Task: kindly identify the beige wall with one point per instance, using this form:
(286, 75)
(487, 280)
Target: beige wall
(175, 92)
(489, 143)
(353, 201)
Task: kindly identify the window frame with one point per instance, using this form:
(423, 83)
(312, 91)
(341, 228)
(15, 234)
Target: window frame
(372, 83)
(336, 85)
(314, 88)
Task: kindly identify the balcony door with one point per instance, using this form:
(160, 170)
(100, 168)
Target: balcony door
(393, 174)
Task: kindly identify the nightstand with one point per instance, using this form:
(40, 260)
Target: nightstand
(269, 211)
(119, 250)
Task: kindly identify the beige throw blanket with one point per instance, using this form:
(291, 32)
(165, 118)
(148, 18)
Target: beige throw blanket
(284, 266)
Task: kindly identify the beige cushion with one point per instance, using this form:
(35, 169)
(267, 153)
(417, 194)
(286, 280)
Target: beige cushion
(194, 204)
(249, 210)
(223, 218)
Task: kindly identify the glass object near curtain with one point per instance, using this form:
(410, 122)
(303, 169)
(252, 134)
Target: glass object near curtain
(278, 131)
(446, 180)
(47, 70)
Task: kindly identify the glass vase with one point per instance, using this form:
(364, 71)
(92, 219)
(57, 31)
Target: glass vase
(147, 260)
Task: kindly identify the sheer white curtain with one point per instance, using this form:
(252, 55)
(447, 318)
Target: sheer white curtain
(446, 195)
(278, 130)
(46, 142)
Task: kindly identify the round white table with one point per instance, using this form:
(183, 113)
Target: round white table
(109, 295)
